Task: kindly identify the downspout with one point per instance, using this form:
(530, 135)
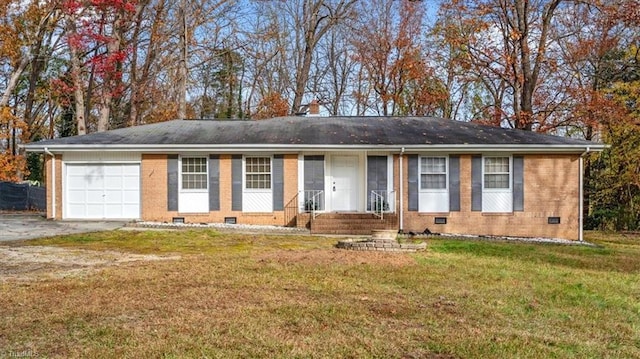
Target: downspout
(53, 182)
(401, 219)
(581, 213)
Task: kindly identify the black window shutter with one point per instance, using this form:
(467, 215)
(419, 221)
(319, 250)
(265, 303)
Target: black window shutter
(214, 183)
(413, 179)
(476, 183)
(236, 183)
(518, 183)
(454, 183)
(376, 176)
(314, 173)
(277, 171)
(172, 182)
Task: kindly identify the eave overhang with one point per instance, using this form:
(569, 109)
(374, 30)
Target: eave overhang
(288, 148)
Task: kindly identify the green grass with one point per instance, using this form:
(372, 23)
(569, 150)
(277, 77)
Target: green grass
(235, 295)
(204, 241)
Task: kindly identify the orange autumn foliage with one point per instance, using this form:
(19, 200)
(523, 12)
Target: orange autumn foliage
(271, 105)
(390, 53)
(12, 167)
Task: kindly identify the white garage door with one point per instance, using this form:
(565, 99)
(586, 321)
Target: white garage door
(102, 191)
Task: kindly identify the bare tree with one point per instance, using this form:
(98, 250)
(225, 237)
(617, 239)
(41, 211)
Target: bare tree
(303, 24)
(509, 48)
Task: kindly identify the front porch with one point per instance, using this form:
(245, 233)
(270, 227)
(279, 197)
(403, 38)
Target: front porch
(346, 223)
(344, 193)
(308, 210)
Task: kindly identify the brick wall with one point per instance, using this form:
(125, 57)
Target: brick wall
(154, 194)
(551, 189)
(153, 188)
(49, 185)
(290, 177)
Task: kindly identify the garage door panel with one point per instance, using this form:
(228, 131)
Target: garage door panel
(113, 196)
(108, 191)
(95, 170)
(113, 182)
(92, 171)
(95, 210)
(98, 182)
(93, 181)
(76, 196)
(114, 209)
(130, 210)
(76, 182)
(131, 182)
(75, 210)
(75, 170)
(115, 170)
(133, 171)
(94, 196)
(131, 196)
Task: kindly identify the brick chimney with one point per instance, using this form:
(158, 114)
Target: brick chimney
(314, 108)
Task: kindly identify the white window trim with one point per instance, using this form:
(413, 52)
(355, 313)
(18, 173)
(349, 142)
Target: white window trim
(446, 183)
(192, 190)
(498, 190)
(244, 175)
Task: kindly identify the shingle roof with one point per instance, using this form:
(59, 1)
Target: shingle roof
(347, 131)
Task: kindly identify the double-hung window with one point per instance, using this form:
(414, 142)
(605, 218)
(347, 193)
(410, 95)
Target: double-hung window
(496, 173)
(194, 173)
(497, 193)
(257, 195)
(194, 185)
(434, 194)
(433, 173)
(258, 173)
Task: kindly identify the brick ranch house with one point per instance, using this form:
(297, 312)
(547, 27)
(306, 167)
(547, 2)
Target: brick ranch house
(331, 174)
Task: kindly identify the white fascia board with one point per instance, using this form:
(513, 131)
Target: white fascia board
(246, 148)
(476, 148)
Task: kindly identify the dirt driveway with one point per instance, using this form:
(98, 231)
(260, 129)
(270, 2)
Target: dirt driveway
(24, 262)
(26, 226)
(27, 263)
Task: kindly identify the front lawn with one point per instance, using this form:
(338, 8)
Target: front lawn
(241, 295)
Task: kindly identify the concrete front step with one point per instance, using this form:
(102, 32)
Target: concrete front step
(343, 232)
(347, 219)
(347, 215)
(354, 226)
(343, 222)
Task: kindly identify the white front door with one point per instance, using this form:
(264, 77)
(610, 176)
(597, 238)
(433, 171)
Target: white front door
(344, 183)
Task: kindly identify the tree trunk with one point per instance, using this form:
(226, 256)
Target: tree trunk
(133, 84)
(105, 111)
(110, 82)
(38, 61)
(76, 79)
(15, 76)
(314, 26)
(530, 72)
(182, 64)
(13, 81)
(310, 26)
(37, 64)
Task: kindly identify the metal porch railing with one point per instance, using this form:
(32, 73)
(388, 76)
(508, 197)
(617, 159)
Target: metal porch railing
(381, 202)
(313, 201)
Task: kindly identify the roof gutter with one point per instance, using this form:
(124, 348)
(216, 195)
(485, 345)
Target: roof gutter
(53, 181)
(581, 194)
(244, 148)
